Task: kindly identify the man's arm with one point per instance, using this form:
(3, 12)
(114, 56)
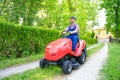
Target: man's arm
(65, 31)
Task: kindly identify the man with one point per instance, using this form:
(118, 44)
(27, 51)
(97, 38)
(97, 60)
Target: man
(73, 29)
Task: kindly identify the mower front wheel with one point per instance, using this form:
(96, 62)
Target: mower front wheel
(67, 67)
(42, 63)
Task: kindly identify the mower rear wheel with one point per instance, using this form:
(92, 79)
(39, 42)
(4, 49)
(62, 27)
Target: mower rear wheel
(67, 67)
(82, 58)
(42, 63)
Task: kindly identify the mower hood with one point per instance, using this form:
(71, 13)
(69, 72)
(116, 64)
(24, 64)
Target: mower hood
(58, 49)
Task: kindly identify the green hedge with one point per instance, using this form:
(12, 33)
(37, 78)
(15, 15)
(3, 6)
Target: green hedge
(19, 41)
(89, 40)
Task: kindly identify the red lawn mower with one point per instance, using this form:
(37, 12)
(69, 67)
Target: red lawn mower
(59, 52)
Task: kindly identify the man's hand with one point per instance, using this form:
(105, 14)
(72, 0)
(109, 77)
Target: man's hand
(63, 32)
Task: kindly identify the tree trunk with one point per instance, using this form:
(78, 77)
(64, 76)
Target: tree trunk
(117, 20)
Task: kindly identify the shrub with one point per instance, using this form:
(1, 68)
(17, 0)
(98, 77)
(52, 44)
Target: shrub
(19, 41)
(89, 40)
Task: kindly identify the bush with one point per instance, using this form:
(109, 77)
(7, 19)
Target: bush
(19, 41)
(89, 40)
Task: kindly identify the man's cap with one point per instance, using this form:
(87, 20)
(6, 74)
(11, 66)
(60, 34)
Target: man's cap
(73, 17)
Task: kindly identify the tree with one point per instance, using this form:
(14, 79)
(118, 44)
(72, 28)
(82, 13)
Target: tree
(14, 10)
(85, 11)
(113, 15)
(2, 6)
(52, 13)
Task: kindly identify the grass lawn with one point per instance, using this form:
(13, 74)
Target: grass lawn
(91, 51)
(111, 69)
(10, 62)
(89, 45)
(37, 74)
(45, 74)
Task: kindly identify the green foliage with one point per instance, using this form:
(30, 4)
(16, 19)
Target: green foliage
(94, 50)
(112, 8)
(20, 41)
(15, 10)
(92, 34)
(89, 40)
(37, 74)
(87, 37)
(17, 41)
(8, 62)
(52, 13)
(111, 69)
(58, 14)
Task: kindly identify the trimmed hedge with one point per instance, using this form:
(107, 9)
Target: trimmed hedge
(19, 41)
(89, 40)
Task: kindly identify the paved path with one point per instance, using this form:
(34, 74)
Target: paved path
(24, 67)
(89, 70)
